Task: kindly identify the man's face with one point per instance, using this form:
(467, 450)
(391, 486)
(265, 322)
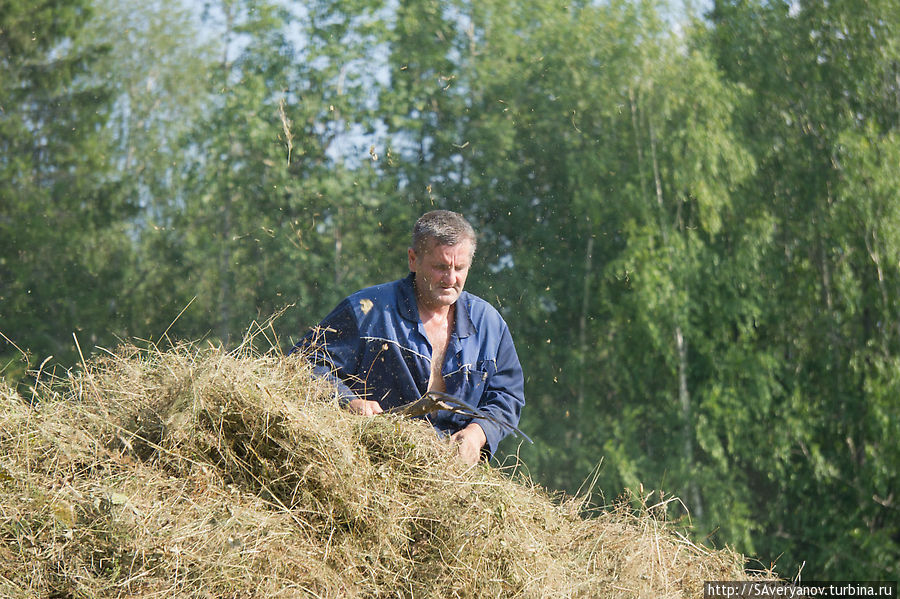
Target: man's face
(441, 272)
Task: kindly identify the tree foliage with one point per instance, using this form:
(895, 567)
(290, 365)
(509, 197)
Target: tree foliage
(821, 117)
(62, 248)
(691, 224)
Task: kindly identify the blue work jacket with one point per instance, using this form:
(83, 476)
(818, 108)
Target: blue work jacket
(373, 346)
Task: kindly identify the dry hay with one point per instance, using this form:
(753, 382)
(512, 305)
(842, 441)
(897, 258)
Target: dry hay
(201, 473)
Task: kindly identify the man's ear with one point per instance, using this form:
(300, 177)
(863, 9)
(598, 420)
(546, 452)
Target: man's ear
(411, 254)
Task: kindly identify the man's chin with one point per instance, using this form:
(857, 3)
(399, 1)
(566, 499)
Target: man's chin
(447, 298)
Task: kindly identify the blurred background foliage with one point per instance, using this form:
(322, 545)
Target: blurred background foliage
(689, 218)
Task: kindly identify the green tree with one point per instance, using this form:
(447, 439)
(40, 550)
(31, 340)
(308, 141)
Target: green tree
(62, 240)
(157, 70)
(821, 119)
(272, 207)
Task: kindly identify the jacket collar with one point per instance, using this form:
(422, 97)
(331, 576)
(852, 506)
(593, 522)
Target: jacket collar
(406, 304)
(406, 299)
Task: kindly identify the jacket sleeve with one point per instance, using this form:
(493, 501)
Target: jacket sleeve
(504, 394)
(334, 348)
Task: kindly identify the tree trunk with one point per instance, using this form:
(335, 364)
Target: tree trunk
(582, 322)
(684, 395)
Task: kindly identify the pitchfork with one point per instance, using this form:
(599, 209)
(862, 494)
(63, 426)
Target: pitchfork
(432, 401)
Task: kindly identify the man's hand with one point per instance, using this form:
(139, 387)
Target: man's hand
(364, 407)
(469, 441)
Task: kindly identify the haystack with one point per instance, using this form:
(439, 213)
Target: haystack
(196, 472)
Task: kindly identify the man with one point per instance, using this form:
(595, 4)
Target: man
(386, 345)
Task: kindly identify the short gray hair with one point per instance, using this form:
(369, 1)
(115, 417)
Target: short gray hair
(444, 227)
